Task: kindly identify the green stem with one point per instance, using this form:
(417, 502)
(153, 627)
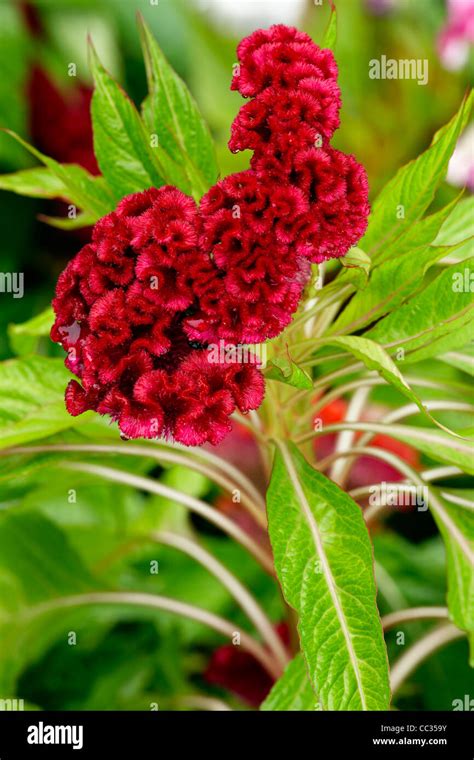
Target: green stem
(190, 502)
(420, 651)
(219, 624)
(400, 617)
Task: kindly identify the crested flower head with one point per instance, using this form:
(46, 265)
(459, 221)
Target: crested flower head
(288, 123)
(249, 230)
(121, 308)
(162, 280)
(280, 57)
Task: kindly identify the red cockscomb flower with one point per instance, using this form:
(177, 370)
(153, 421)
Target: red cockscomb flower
(240, 673)
(293, 114)
(162, 279)
(249, 230)
(121, 308)
(282, 57)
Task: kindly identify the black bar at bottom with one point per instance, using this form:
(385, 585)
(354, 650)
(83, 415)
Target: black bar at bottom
(218, 734)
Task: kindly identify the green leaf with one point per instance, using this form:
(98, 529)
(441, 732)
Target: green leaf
(64, 223)
(456, 525)
(437, 320)
(459, 225)
(39, 182)
(24, 337)
(440, 446)
(357, 264)
(122, 144)
(458, 229)
(284, 370)
(406, 197)
(418, 235)
(32, 400)
(37, 563)
(292, 692)
(389, 286)
(171, 113)
(324, 563)
(330, 35)
(376, 358)
(89, 193)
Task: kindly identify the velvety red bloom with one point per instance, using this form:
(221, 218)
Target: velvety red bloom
(337, 188)
(288, 123)
(334, 189)
(122, 308)
(280, 57)
(306, 115)
(161, 279)
(239, 672)
(60, 123)
(249, 232)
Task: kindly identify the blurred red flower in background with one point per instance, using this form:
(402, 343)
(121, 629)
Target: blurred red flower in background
(60, 122)
(240, 673)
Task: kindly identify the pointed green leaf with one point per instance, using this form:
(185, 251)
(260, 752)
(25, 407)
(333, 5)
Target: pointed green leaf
(418, 235)
(171, 113)
(376, 358)
(122, 144)
(438, 319)
(389, 286)
(456, 525)
(330, 35)
(38, 182)
(356, 265)
(32, 400)
(91, 194)
(459, 225)
(284, 370)
(293, 691)
(406, 197)
(324, 563)
(64, 223)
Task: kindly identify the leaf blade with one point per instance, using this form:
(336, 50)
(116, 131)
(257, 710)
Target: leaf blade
(32, 400)
(293, 691)
(412, 188)
(121, 143)
(347, 666)
(172, 112)
(91, 194)
(439, 319)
